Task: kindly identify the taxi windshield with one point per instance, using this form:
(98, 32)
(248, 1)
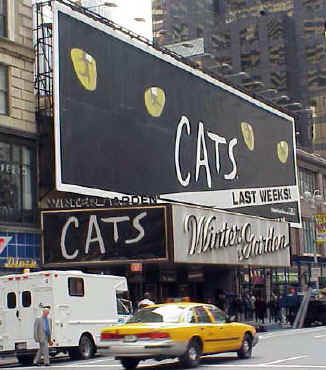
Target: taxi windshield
(168, 314)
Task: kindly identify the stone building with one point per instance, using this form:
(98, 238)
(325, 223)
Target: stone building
(19, 232)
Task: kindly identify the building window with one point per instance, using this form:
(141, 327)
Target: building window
(250, 59)
(17, 181)
(277, 55)
(3, 18)
(221, 40)
(278, 79)
(274, 29)
(314, 54)
(313, 27)
(200, 31)
(3, 89)
(249, 34)
(312, 5)
(309, 235)
(307, 180)
(324, 187)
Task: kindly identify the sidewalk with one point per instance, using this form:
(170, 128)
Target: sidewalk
(267, 327)
(8, 361)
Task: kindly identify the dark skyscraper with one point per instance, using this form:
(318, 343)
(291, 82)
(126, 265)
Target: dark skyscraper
(274, 49)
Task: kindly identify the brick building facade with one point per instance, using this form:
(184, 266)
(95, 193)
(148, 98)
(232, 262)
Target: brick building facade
(19, 231)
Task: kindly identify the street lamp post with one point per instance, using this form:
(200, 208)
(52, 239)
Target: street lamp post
(253, 83)
(105, 4)
(238, 74)
(293, 105)
(268, 93)
(280, 99)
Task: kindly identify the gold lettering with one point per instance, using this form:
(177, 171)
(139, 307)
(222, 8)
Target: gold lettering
(13, 262)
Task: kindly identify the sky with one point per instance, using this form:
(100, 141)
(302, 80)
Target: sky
(134, 15)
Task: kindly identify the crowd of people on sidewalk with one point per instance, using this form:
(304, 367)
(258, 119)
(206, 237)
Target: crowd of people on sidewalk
(251, 307)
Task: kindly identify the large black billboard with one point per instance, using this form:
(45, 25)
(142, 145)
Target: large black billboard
(131, 120)
(116, 235)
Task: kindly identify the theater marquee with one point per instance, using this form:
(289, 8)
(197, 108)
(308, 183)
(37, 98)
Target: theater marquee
(115, 235)
(217, 237)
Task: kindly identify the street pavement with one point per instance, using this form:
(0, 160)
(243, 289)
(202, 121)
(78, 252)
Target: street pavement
(277, 349)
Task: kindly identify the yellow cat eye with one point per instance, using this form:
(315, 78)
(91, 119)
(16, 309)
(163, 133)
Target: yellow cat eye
(248, 135)
(154, 101)
(85, 68)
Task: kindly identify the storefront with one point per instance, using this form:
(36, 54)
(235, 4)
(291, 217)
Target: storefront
(310, 273)
(19, 233)
(170, 250)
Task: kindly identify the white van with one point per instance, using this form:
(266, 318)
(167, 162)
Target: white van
(81, 305)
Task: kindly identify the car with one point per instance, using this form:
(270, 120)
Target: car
(184, 330)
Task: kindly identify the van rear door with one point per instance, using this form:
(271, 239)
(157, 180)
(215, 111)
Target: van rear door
(26, 313)
(9, 314)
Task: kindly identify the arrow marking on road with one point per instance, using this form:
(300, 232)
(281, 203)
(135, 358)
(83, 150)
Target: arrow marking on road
(290, 332)
(233, 366)
(286, 359)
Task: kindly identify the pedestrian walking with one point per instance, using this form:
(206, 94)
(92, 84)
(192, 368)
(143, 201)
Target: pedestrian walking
(42, 335)
(271, 308)
(146, 301)
(260, 309)
(210, 300)
(221, 302)
(253, 306)
(278, 310)
(240, 307)
(235, 308)
(247, 306)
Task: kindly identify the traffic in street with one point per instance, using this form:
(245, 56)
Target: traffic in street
(280, 349)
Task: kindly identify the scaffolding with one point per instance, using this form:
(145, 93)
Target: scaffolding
(44, 50)
(43, 60)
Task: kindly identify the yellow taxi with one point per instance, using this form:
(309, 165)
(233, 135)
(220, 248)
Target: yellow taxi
(183, 330)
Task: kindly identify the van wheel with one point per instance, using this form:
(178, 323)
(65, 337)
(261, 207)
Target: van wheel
(25, 359)
(86, 347)
(129, 363)
(85, 350)
(246, 348)
(191, 358)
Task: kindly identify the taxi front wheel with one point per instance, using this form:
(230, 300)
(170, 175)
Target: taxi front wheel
(129, 363)
(246, 348)
(191, 358)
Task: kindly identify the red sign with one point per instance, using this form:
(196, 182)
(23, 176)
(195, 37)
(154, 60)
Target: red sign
(4, 241)
(136, 267)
